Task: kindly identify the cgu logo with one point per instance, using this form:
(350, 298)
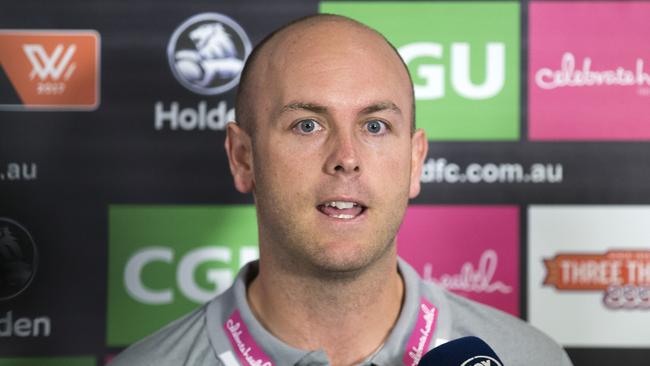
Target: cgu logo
(461, 82)
(222, 278)
(52, 65)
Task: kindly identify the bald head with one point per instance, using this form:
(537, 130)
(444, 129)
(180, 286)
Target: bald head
(298, 40)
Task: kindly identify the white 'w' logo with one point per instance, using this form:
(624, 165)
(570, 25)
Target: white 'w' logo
(44, 65)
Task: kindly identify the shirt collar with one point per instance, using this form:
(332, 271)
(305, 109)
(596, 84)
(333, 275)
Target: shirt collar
(391, 353)
(279, 351)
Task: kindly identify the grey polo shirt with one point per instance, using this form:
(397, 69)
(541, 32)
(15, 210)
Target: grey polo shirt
(225, 332)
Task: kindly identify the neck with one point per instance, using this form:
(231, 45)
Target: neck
(349, 317)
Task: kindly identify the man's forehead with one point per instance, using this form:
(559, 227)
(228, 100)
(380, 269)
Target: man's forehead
(319, 59)
(330, 52)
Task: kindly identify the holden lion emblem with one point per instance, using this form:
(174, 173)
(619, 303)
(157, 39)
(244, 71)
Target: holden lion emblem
(18, 258)
(207, 52)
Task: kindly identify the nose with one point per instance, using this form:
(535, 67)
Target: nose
(344, 157)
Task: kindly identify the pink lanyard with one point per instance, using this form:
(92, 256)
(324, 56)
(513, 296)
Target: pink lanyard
(249, 352)
(421, 337)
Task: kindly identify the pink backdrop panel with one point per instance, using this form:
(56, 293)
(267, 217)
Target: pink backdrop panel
(589, 71)
(471, 250)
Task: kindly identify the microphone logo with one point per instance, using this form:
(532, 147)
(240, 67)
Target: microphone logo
(481, 361)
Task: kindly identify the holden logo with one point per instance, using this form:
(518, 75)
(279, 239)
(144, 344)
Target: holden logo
(207, 52)
(18, 259)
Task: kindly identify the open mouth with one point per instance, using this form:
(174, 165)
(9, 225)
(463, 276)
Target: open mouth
(344, 210)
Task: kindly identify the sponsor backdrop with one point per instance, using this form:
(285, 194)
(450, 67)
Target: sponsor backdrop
(117, 211)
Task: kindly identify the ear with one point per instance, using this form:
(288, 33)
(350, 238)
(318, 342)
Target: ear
(419, 148)
(240, 157)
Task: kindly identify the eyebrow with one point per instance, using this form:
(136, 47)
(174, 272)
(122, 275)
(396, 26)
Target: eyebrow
(296, 106)
(316, 108)
(381, 106)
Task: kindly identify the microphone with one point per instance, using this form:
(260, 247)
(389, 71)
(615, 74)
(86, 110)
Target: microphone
(466, 351)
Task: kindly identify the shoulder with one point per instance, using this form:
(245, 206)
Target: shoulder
(182, 342)
(515, 341)
(194, 339)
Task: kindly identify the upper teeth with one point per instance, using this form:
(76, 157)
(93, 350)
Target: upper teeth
(341, 204)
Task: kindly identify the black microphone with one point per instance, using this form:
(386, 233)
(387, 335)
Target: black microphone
(466, 351)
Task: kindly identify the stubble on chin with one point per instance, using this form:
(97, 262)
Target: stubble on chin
(303, 249)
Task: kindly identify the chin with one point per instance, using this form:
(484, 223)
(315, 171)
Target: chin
(346, 259)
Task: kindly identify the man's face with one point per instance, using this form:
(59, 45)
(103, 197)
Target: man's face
(334, 160)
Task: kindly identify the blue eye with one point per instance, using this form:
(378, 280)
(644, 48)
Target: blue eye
(375, 127)
(308, 126)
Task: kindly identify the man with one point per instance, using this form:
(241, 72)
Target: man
(325, 141)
